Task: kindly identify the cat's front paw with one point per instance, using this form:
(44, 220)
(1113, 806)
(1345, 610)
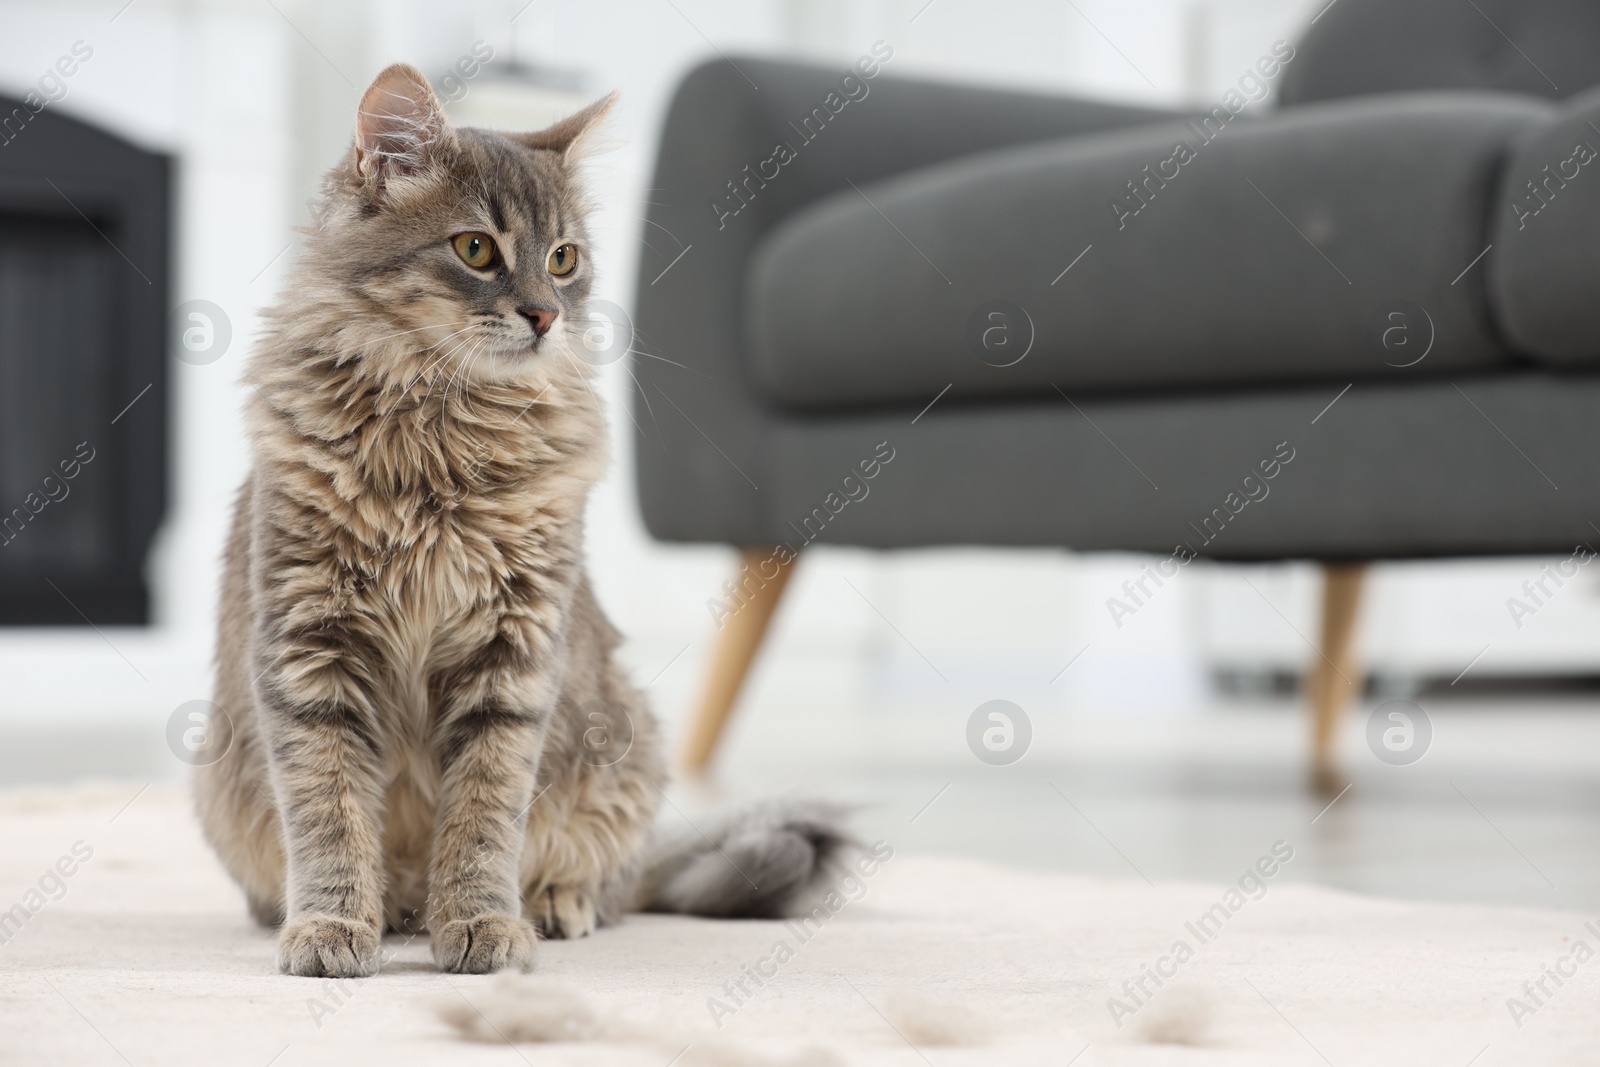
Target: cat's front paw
(563, 912)
(322, 946)
(484, 943)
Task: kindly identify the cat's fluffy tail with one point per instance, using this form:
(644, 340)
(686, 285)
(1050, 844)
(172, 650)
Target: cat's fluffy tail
(767, 860)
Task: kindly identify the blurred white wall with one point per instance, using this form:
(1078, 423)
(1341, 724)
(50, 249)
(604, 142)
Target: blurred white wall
(255, 100)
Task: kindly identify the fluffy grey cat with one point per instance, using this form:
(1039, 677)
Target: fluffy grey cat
(430, 729)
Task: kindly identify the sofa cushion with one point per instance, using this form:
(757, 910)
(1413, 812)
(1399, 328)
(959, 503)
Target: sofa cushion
(1251, 251)
(1542, 47)
(1544, 270)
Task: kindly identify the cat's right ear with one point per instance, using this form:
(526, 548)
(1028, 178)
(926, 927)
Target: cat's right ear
(400, 126)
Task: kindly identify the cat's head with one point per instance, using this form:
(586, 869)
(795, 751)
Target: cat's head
(461, 250)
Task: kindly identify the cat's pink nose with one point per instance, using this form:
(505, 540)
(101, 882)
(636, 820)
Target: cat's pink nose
(541, 319)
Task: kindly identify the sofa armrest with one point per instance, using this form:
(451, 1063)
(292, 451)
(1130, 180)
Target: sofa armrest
(747, 143)
(1541, 272)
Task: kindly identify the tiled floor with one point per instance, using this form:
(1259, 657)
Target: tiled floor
(1504, 808)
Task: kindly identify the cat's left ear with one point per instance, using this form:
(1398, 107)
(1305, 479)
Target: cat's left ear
(400, 126)
(572, 135)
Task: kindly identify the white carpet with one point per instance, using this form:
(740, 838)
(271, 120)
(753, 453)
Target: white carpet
(148, 959)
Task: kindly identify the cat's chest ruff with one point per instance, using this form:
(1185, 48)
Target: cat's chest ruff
(446, 522)
(450, 554)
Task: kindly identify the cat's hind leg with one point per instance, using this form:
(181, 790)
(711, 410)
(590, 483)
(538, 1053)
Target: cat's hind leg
(240, 820)
(233, 788)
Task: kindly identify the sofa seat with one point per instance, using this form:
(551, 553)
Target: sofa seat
(1249, 251)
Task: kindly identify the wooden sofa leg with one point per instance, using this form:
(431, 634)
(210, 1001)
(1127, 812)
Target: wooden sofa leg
(737, 644)
(1334, 680)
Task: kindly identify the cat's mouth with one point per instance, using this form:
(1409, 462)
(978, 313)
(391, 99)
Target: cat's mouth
(524, 350)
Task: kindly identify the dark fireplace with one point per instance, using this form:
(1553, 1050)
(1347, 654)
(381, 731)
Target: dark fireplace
(84, 259)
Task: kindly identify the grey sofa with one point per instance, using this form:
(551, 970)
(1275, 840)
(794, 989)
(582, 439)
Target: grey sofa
(1073, 333)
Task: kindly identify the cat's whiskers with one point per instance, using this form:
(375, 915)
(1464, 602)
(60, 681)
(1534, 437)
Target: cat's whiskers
(419, 329)
(647, 405)
(464, 391)
(439, 344)
(400, 398)
(584, 378)
(642, 342)
(466, 384)
(658, 226)
(436, 362)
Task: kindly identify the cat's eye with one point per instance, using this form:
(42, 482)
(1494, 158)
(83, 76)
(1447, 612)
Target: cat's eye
(564, 260)
(475, 249)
